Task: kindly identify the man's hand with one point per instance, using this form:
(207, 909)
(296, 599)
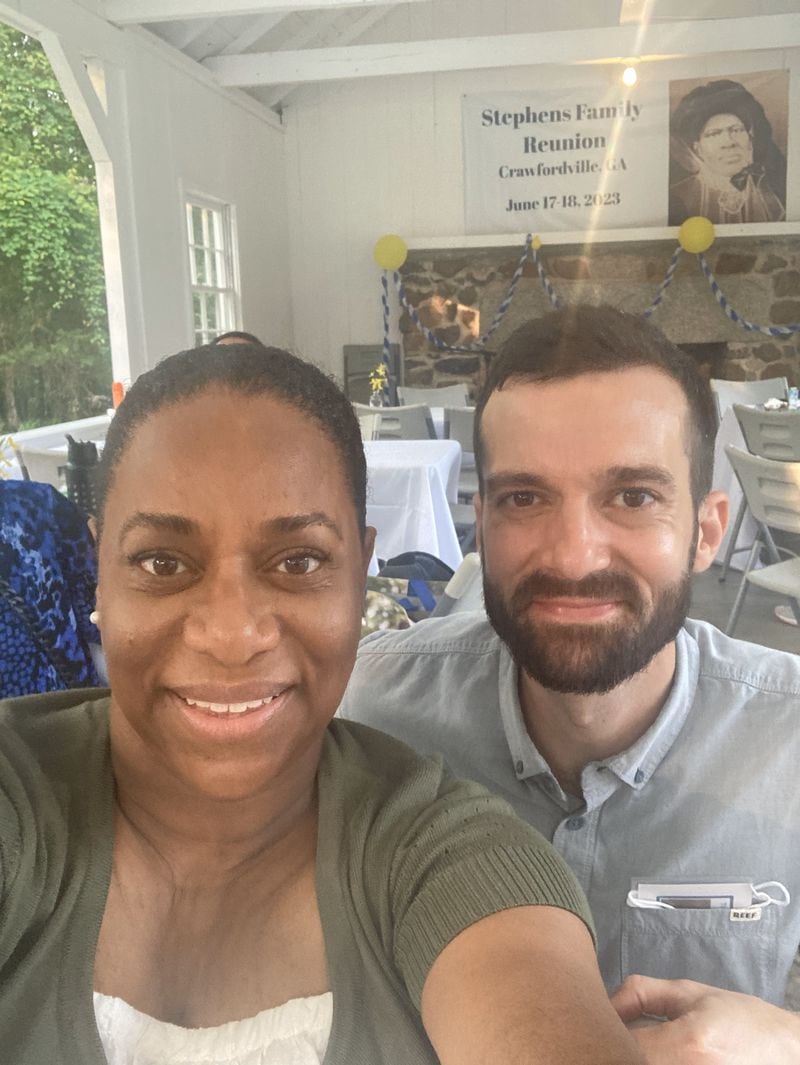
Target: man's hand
(707, 1026)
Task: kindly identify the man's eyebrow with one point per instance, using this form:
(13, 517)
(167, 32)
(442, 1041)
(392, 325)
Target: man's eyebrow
(519, 479)
(651, 474)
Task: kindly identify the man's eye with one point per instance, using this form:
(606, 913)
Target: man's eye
(634, 498)
(162, 565)
(300, 565)
(521, 499)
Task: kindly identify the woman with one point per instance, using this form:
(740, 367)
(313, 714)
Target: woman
(726, 166)
(238, 879)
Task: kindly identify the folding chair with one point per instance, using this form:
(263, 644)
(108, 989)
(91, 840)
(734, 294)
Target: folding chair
(459, 423)
(772, 491)
(402, 423)
(771, 435)
(446, 396)
(727, 393)
(370, 425)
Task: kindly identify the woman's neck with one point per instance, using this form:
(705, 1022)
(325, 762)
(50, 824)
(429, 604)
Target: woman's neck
(197, 835)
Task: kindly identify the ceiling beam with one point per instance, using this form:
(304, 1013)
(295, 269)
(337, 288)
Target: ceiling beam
(611, 44)
(354, 30)
(140, 11)
(257, 29)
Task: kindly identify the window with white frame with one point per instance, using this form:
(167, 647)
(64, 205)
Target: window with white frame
(212, 268)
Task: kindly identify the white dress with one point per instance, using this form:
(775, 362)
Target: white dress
(295, 1033)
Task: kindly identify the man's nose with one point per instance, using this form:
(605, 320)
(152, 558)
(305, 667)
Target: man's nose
(233, 617)
(576, 541)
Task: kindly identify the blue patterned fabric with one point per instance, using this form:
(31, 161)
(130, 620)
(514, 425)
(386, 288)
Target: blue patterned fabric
(47, 587)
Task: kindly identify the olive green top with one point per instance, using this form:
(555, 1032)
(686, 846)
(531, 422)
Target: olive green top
(406, 859)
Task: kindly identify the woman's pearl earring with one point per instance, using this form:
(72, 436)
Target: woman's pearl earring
(94, 617)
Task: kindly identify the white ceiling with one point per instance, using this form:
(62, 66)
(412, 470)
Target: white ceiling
(270, 47)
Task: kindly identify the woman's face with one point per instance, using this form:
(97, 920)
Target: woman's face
(725, 145)
(231, 580)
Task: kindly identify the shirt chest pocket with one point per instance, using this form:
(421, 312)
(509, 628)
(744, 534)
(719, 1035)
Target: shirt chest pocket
(705, 945)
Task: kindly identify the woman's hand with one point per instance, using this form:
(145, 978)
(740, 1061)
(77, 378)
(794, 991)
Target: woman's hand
(707, 1026)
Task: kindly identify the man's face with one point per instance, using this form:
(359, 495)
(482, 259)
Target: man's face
(587, 527)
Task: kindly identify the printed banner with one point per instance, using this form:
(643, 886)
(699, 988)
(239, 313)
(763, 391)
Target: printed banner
(575, 160)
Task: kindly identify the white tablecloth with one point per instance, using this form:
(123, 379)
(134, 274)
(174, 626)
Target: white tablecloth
(725, 480)
(409, 483)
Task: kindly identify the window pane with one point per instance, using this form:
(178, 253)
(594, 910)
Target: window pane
(200, 275)
(197, 224)
(211, 266)
(220, 271)
(197, 303)
(211, 312)
(216, 237)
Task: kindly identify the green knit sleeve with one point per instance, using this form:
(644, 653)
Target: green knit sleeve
(465, 857)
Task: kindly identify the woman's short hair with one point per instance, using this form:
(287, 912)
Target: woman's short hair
(250, 370)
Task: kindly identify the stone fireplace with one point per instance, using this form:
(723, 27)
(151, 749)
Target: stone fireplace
(457, 293)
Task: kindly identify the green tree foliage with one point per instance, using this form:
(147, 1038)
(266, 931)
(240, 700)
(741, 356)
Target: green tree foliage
(54, 355)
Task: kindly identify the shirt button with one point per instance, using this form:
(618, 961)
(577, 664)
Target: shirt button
(519, 766)
(575, 823)
(639, 777)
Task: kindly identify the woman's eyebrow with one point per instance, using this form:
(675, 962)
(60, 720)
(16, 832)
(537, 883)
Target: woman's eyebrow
(297, 522)
(144, 519)
(176, 523)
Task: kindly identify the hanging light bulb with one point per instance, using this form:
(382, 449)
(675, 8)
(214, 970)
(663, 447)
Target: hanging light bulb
(629, 76)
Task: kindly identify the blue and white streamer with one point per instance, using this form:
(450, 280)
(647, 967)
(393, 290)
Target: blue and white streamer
(546, 284)
(530, 251)
(662, 288)
(480, 343)
(768, 330)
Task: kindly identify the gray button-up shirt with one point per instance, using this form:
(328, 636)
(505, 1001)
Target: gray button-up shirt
(708, 794)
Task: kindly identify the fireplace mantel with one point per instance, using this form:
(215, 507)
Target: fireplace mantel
(597, 236)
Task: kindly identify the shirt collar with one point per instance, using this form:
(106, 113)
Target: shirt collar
(635, 765)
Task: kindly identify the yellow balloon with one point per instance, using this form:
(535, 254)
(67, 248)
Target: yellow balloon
(696, 234)
(536, 243)
(390, 252)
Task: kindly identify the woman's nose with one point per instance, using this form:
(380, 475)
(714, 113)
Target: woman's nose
(233, 619)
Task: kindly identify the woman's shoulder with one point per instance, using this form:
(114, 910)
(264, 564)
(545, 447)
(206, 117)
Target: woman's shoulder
(364, 761)
(370, 779)
(52, 746)
(54, 725)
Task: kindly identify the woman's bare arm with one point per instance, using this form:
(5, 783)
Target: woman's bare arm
(522, 987)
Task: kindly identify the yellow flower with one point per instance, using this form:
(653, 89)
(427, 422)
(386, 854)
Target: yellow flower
(378, 377)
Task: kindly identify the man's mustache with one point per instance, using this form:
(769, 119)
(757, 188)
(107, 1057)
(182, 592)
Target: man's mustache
(605, 585)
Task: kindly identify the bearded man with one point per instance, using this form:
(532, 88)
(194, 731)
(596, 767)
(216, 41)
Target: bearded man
(658, 755)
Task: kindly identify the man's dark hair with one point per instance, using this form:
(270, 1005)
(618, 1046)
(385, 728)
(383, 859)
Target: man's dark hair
(582, 340)
(250, 370)
(236, 335)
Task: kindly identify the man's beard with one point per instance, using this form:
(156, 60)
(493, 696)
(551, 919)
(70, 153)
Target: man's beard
(585, 659)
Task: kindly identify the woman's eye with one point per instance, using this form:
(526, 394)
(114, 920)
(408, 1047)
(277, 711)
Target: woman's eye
(162, 565)
(300, 565)
(634, 498)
